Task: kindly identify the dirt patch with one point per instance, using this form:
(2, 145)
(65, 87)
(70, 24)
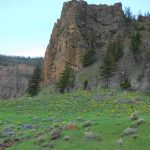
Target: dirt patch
(7, 144)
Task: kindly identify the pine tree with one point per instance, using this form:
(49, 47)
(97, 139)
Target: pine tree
(66, 79)
(135, 44)
(109, 66)
(128, 14)
(34, 83)
(89, 58)
(117, 49)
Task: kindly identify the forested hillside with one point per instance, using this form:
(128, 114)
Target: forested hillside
(15, 73)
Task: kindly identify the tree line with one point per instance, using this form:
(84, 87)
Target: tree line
(14, 60)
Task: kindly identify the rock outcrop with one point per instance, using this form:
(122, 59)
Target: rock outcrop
(84, 27)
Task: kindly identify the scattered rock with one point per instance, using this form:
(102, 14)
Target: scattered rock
(8, 129)
(67, 138)
(119, 141)
(40, 139)
(27, 126)
(130, 131)
(8, 132)
(55, 134)
(87, 124)
(71, 126)
(127, 101)
(88, 129)
(134, 116)
(140, 122)
(89, 135)
(134, 125)
(137, 123)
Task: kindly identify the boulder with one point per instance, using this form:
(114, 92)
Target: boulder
(87, 124)
(71, 126)
(134, 116)
(140, 122)
(67, 138)
(130, 131)
(120, 141)
(89, 135)
(27, 126)
(55, 134)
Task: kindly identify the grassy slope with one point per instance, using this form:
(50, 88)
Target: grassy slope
(49, 109)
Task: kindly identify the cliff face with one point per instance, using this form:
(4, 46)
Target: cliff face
(84, 27)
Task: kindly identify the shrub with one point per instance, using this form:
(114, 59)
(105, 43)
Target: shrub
(126, 84)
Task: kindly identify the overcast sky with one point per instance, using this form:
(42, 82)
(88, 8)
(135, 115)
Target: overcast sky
(26, 25)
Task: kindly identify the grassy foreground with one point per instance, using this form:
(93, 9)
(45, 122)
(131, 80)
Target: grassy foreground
(107, 110)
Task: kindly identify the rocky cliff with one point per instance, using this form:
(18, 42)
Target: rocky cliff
(83, 27)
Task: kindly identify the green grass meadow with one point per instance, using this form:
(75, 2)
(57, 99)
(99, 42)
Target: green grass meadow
(109, 117)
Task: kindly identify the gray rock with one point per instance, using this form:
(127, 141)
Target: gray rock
(130, 131)
(120, 141)
(137, 123)
(134, 125)
(88, 129)
(8, 129)
(8, 134)
(126, 101)
(55, 133)
(89, 135)
(41, 139)
(87, 124)
(67, 138)
(140, 122)
(134, 116)
(27, 126)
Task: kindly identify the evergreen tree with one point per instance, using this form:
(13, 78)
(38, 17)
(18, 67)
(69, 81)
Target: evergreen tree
(117, 49)
(89, 58)
(109, 66)
(135, 43)
(128, 14)
(34, 83)
(66, 79)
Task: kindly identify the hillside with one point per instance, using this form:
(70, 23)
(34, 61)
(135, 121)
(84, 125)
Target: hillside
(15, 73)
(81, 120)
(83, 28)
